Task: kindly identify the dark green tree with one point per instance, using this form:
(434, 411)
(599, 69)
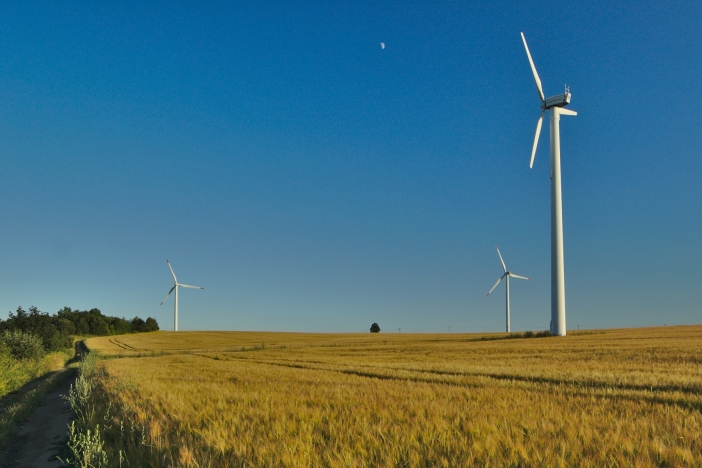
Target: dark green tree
(151, 325)
(57, 332)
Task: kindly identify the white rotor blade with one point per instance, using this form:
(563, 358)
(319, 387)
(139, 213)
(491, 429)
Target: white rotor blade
(169, 293)
(171, 268)
(536, 138)
(565, 111)
(188, 286)
(498, 282)
(503, 262)
(520, 277)
(533, 69)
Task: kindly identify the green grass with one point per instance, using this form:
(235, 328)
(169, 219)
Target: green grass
(24, 383)
(16, 373)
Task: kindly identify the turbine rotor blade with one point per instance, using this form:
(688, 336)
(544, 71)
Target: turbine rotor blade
(503, 262)
(565, 111)
(536, 138)
(533, 70)
(188, 286)
(171, 268)
(498, 282)
(520, 277)
(169, 293)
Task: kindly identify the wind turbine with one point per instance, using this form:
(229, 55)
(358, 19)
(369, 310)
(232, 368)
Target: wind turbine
(506, 275)
(556, 104)
(175, 286)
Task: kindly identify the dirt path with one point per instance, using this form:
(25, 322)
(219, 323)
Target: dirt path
(39, 439)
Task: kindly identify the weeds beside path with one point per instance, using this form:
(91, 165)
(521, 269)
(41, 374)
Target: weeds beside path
(34, 419)
(40, 438)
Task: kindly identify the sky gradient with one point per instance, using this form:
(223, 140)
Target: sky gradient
(312, 181)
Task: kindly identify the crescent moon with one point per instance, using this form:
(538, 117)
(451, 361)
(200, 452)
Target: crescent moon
(382, 45)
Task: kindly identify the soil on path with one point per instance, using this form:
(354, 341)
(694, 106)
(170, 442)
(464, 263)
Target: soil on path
(39, 439)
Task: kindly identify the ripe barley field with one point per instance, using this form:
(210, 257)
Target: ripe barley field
(218, 399)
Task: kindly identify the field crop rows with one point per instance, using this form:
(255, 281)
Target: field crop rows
(614, 398)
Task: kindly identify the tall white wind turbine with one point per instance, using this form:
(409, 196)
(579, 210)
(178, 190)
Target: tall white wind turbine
(506, 275)
(176, 284)
(556, 105)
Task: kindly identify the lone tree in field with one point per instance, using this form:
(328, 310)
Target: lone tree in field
(375, 328)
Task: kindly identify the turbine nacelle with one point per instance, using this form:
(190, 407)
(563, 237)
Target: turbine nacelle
(561, 100)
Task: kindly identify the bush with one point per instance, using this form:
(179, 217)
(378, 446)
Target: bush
(23, 345)
(39, 324)
(541, 334)
(375, 328)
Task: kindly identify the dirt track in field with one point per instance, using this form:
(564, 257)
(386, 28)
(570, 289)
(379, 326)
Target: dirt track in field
(39, 439)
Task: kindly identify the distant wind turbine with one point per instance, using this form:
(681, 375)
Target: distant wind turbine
(556, 104)
(506, 275)
(175, 286)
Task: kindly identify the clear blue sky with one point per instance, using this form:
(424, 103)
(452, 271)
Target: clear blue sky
(312, 181)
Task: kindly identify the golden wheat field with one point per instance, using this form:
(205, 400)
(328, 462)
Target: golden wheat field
(605, 398)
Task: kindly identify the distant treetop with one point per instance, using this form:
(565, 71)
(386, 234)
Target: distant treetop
(375, 328)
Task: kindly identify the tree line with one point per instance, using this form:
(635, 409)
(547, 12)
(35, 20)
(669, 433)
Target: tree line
(57, 331)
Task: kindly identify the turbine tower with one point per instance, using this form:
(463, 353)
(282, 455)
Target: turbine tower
(175, 286)
(556, 105)
(506, 275)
